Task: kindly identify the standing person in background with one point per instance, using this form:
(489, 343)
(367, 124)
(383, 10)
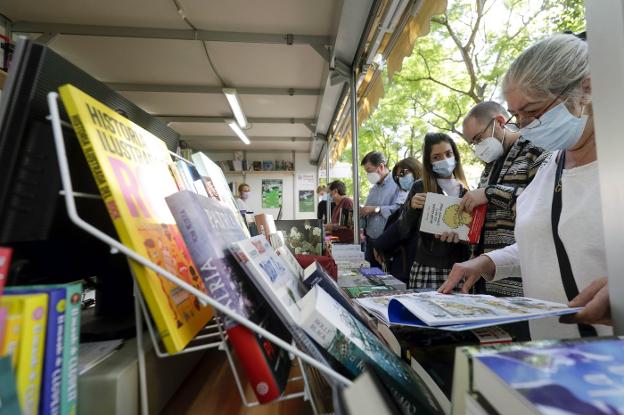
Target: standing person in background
(511, 162)
(394, 253)
(343, 206)
(321, 209)
(243, 197)
(384, 198)
(442, 173)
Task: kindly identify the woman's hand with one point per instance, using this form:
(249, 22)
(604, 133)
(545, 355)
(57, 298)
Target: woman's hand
(595, 299)
(450, 237)
(472, 199)
(468, 271)
(418, 201)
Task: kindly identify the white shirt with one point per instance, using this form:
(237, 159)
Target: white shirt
(450, 187)
(241, 204)
(580, 230)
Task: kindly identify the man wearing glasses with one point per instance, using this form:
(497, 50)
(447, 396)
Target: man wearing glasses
(511, 162)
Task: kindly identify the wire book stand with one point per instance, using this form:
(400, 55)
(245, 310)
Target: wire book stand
(212, 335)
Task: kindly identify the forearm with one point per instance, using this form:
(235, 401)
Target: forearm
(504, 258)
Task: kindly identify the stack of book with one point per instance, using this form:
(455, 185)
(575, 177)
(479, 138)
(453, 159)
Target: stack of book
(39, 343)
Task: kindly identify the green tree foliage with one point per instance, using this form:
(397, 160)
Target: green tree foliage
(459, 63)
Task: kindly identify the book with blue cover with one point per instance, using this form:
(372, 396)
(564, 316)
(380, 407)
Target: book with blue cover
(458, 312)
(582, 376)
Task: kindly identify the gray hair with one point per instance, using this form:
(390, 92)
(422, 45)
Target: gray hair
(553, 66)
(485, 111)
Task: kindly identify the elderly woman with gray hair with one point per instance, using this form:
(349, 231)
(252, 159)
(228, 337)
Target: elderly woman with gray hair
(559, 232)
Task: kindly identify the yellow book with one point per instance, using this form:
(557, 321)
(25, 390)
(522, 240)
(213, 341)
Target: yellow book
(31, 311)
(130, 167)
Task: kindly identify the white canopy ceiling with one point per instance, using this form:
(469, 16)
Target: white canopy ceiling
(277, 54)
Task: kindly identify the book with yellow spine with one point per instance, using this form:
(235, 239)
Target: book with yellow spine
(31, 311)
(130, 167)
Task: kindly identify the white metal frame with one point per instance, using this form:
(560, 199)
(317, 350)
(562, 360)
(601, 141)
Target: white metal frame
(141, 312)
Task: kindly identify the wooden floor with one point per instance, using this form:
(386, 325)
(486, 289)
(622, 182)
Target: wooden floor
(210, 389)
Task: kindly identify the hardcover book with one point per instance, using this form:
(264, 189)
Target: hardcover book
(302, 236)
(556, 377)
(458, 312)
(60, 375)
(208, 228)
(443, 214)
(353, 345)
(26, 343)
(267, 165)
(130, 167)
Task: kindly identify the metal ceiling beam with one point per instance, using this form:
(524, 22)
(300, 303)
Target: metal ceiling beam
(175, 34)
(199, 119)
(253, 139)
(207, 89)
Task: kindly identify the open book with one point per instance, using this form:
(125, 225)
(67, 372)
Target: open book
(443, 214)
(457, 312)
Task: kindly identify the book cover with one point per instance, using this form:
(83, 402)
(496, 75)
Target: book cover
(352, 344)
(315, 274)
(208, 228)
(64, 319)
(4, 313)
(129, 165)
(290, 261)
(185, 174)
(28, 348)
(265, 225)
(302, 236)
(256, 165)
(5, 263)
(569, 376)
(277, 240)
(368, 395)
(215, 182)
(281, 290)
(9, 402)
(50, 402)
(466, 311)
(442, 214)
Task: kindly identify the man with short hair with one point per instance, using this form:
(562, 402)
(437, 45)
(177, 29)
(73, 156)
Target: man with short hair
(384, 198)
(511, 162)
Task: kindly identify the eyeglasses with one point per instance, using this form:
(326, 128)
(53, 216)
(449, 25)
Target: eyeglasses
(477, 138)
(532, 121)
(404, 172)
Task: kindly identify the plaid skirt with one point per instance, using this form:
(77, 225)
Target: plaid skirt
(424, 276)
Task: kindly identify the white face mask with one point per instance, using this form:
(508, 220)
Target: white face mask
(323, 197)
(373, 177)
(557, 129)
(490, 149)
(444, 168)
(245, 195)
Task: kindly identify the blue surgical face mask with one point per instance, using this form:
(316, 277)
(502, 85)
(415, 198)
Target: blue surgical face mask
(444, 168)
(557, 129)
(406, 182)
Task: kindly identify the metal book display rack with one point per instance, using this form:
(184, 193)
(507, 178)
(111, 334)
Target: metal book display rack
(211, 336)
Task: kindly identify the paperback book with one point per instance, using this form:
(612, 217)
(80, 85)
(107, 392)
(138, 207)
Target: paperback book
(8, 392)
(290, 261)
(458, 312)
(130, 167)
(208, 228)
(354, 346)
(443, 214)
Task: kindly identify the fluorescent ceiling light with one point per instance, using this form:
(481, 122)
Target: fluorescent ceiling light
(232, 97)
(234, 126)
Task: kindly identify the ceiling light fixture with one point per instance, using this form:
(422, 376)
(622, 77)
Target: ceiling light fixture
(234, 101)
(239, 132)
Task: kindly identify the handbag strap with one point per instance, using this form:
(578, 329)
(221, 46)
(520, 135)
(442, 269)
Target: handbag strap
(567, 277)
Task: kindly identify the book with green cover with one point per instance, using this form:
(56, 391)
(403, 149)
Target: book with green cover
(9, 402)
(354, 346)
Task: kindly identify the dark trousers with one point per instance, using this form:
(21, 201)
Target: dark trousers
(368, 253)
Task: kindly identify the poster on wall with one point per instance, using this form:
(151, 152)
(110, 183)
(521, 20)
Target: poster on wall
(306, 181)
(306, 201)
(272, 193)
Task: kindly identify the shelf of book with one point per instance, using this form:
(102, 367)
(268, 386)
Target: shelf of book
(260, 172)
(208, 337)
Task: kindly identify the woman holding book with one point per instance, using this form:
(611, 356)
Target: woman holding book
(442, 173)
(559, 233)
(341, 224)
